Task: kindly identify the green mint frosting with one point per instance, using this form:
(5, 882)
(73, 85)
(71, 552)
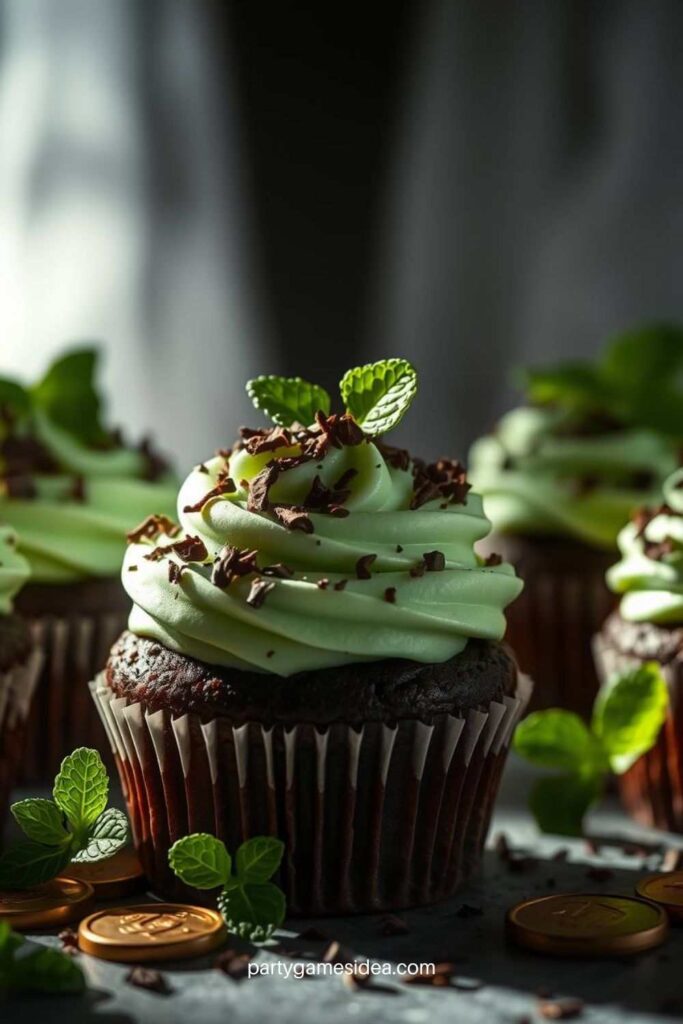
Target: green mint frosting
(322, 614)
(14, 570)
(539, 475)
(650, 572)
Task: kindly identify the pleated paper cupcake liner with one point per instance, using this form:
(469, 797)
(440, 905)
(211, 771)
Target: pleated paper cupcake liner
(551, 625)
(74, 648)
(652, 789)
(17, 689)
(372, 817)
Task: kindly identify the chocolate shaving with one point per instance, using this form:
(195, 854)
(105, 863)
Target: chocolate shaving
(323, 583)
(293, 517)
(225, 486)
(175, 571)
(260, 486)
(340, 584)
(398, 458)
(278, 570)
(146, 977)
(446, 478)
(234, 964)
(230, 564)
(267, 440)
(322, 498)
(259, 592)
(152, 527)
(390, 595)
(363, 567)
(191, 549)
(418, 569)
(434, 561)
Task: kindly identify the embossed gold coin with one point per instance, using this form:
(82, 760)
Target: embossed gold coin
(587, 924)
(114, 877)
(53, 903)
(666, 890)
(151, 931)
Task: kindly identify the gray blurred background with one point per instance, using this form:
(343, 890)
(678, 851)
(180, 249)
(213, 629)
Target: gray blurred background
(217, 189)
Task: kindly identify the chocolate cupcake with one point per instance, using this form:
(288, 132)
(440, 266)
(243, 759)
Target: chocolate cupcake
(19, 667)
(648, 626)
(559, 478)
(315, 654)
(71, 489)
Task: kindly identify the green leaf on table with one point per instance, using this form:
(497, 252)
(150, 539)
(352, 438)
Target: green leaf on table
(557, 739)
(81, 789)
(629, 713)
(46, 970)
(377, 395)
(200, 860)
(253, 911)
(288, 400)
(560, 802)
(67, 395)
(28, 863)
(258, 859)
(41, 820)
(108, 835)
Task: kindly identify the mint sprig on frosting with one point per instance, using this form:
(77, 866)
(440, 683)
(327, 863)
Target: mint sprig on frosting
(251, 905)
(376, 395)
(76, 826)
(628, 714)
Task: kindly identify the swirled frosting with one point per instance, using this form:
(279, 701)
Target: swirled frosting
(650, 572)
(72, 505)
(14, 570)
(349, 553)
(538, 474)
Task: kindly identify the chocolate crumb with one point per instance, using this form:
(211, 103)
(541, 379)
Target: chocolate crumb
(152, 527)
(340, 584)
(434, 561)
(69, 940)
(323, 584)
(224, 487)
(234, 964)
(230, 564)
(259, 592)
(560, 1009)
(269, 654)
(399, 549)
(391, 924)
(191, 549)
(363, 566)
(293, 517)
(390, 595)
(153, 981)
(417, 570)
(492, 560)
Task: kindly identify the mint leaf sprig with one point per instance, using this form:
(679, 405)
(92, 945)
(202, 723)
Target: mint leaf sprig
(76, 826)
(42, 969)
(377, 395)
(628, 714)
(251, 905)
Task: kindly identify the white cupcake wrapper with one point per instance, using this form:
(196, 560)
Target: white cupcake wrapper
(372, 817)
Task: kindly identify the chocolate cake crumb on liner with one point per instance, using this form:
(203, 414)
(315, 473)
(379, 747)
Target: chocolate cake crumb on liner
(652, 789)
(17, 688)
(551, 625)
(74, 626)
(373, 816)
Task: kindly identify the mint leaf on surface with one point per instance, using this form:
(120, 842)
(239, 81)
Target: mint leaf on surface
(377, 395)
(560, 802)
(629, 713)
(41, 820)
(258, 859)
(200, 860)
(28, 863)
(46, 970)
(253, 911)
(81, 789)
(108, 835)
(288, 400)
(67, 395)
(557, 739)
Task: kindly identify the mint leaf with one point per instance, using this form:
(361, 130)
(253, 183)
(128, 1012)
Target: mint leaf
(576, 386)
(557, 739)
(41, 820)
(81, 789)
(28, 863)
(559, 802)
(14, 397)
(46, 970)
(288, 400)
(200, 860)
(105, 837)
(377, 395)
(253, 911)
(67, 395)
(259, 858)
(629, 713)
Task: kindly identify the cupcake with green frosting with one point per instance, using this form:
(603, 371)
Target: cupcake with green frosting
(19, 666)
(70, 489)
(315, 652)
(560, 477)
(647, 627)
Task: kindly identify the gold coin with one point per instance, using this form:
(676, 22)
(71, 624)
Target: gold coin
(151, 931)
(53, 903)
(666, 890)
(587, 924)
(114, 877)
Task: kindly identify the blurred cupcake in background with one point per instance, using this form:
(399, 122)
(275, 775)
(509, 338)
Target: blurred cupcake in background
(560, 477)
(71, 488)
(20, 663)
(646, 627)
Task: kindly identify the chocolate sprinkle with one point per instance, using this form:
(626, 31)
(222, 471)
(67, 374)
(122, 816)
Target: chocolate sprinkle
(259, 592)
(146, 977)
(445, 478)
(434, 561)
(191, 549)
(363, 566)
(390, 595)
